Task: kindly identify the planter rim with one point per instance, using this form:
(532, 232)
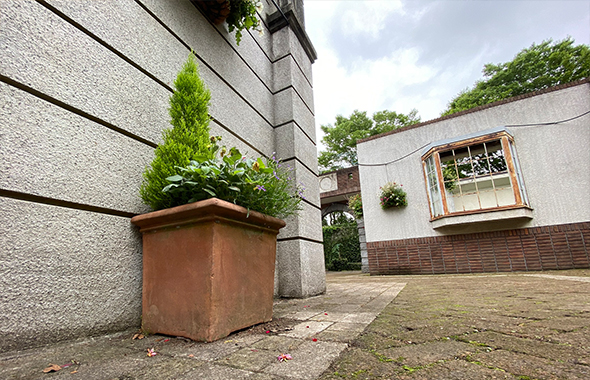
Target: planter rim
(208, 208)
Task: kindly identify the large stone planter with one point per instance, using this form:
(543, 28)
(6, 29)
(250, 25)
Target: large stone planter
(208, 269)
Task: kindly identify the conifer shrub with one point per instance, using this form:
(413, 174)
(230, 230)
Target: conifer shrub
(188, 137)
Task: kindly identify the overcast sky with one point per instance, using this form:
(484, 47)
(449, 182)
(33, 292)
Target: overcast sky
(404, 54)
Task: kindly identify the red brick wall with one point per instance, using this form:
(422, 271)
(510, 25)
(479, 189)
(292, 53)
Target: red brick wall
(563, 246)
(346, 185)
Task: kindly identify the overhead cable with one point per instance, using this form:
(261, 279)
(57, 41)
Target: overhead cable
(510, 125)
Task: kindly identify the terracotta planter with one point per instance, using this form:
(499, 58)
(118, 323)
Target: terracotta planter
(208, 269)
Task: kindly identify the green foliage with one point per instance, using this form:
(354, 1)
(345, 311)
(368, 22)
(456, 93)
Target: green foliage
(227, 175)
(341, 245)
(392, 195)
(340, 139)
(355, 204)
(242, 15)
(538, 67)
(188, 137)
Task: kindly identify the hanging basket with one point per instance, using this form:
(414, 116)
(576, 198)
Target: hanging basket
(215, 10)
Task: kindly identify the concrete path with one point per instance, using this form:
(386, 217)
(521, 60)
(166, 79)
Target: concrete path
(312, 332)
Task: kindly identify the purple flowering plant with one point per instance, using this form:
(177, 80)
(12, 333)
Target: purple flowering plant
(262, 185)
(392, 195)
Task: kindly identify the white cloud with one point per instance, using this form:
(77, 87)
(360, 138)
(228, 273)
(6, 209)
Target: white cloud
(371, 85)
(400, 55)
(367, 18)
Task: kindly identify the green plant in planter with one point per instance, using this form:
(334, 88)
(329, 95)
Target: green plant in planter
(188, 137)
(355, 204)
(392, 195)
(227, 175)
(242, 15)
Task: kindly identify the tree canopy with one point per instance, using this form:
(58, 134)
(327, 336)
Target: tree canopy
(535, 68)
(340, 139)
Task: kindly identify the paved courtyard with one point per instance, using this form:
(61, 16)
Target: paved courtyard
(505, 326)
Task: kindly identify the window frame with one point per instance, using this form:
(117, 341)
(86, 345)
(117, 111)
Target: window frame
(432, 154)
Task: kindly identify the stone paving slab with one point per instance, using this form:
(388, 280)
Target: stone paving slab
(313, 331)
(309, 361)
(506, 326)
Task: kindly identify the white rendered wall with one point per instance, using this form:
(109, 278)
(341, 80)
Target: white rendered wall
(555, 163)
(84, 89)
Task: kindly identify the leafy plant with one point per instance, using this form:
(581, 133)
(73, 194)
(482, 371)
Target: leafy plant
(355, 204)
(227, 175)
(188, 137)
(535, 68)
(340, 139)
(341, 245)
(392, 195)
(450, 176)
(242, 15)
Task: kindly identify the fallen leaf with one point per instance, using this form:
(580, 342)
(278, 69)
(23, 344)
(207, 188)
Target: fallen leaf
(74, 371)
(191, 356)
(166, 340)
(138, 336)
(52, 368)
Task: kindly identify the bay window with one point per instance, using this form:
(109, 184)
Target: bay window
(472, 174)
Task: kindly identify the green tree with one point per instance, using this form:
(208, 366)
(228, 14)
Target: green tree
(538, 67)
(341, 244)
(340, 139)
(189, 136)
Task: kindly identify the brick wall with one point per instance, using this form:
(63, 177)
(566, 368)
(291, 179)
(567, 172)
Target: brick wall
(348, 182)
(563, 246)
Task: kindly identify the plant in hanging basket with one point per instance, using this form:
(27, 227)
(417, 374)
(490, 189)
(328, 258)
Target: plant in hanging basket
(242, 15)
(239, 14)
(392, 195)
(215, 10)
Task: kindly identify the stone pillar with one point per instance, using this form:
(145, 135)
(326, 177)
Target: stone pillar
(300, 258)
(363, 242)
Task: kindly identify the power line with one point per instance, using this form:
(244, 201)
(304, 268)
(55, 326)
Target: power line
(510, 125)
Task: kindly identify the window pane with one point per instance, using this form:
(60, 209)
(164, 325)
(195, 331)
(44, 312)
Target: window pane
(433, 189)
(496, 157)
(463, 160)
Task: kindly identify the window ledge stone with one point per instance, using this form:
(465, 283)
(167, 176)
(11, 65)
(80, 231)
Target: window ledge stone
(518, 215)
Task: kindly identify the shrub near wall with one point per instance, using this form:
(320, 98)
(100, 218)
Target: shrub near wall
(341, 246)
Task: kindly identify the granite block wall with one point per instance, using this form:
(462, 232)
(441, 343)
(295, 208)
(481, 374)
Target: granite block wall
(84, 89)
